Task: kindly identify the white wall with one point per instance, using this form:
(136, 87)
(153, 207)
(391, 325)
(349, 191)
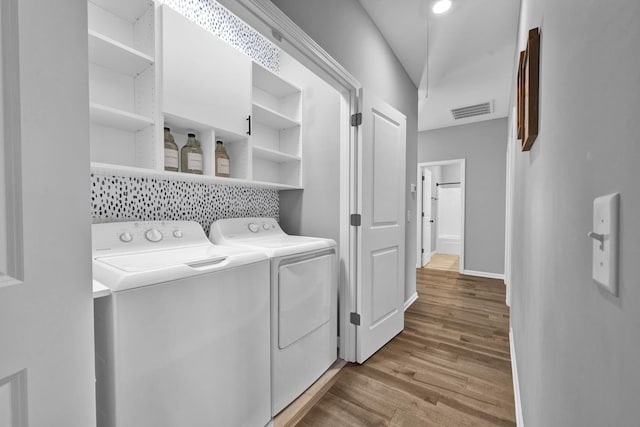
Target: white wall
(483, 145)
(449, 211)
(577, 347)
(450, 173)
(344, 29)
(449, 219)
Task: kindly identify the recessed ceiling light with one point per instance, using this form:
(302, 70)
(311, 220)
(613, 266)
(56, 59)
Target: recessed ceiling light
(441, 6)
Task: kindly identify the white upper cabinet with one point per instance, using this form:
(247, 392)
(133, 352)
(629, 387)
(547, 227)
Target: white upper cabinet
(204, 79)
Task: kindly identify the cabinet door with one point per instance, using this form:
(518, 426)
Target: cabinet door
(204, 79)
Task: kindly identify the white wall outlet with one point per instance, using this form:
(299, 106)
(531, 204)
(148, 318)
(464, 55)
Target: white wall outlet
(605, 241)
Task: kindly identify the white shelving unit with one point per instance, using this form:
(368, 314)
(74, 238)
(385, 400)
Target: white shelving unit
(123, 83)
(141, 52)
(276, 153)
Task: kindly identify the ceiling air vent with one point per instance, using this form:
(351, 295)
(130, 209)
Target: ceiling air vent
(471, 111)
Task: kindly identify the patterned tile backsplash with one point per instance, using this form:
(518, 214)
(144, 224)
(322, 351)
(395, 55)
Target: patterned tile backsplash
(115, 198)
(216, 19)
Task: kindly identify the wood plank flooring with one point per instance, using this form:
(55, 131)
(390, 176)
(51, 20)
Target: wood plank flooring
(449, 367)
(444, 262)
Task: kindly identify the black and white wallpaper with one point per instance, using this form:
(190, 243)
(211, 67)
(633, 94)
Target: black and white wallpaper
(115, 198)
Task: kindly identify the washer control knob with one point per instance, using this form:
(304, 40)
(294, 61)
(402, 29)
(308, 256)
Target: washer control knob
(253, 227)
(178, 234)
(265, 226)
(126, 237)
(153, 235)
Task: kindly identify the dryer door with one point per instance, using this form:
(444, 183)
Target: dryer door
(304, 297)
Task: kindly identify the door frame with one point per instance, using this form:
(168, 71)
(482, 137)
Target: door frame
(462, 164)
(272, 23)
(419, 219)
(509, 207)
(11, 242)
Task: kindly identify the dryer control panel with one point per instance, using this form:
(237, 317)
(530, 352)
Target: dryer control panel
(238, 228)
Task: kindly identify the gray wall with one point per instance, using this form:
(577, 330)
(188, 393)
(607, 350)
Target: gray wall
(483, 145)
(344, 29)
(578, 348)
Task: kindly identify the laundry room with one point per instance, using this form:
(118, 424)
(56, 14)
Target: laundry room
(204, 212)
(210, 148)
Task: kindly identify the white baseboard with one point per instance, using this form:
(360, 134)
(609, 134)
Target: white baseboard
(516, 382)
(410, 301)
(483, 274)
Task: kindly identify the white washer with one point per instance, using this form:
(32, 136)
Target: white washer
(183, 338)
(304, 295)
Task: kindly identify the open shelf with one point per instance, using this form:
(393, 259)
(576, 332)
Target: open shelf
(271, 118)
(128, 10)
(274, 155)
(128, 171)
(236, 145)
(275, 139)
(113, 117)
(267, 81)
(112, 54)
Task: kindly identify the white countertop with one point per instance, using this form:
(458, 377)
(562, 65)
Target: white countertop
(100, 290)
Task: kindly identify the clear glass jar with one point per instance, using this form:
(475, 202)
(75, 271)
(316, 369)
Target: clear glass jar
(222, 161)
(191, 156)
(171, 155)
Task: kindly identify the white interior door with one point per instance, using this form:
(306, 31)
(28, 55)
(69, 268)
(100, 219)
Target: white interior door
(380, 282)
(46, 311)
(427, 217)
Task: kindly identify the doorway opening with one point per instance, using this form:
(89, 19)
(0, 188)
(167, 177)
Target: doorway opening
(441, 215)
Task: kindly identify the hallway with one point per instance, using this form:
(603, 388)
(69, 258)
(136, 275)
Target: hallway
(444, 262)
(449, 367)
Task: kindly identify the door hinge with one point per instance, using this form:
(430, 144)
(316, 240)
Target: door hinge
(356, 119)
(422, 250)
(422, 214)
(356, 220)
(423, 177)
(354, 318)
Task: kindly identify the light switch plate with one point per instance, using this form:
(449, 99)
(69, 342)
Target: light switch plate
(605, 241)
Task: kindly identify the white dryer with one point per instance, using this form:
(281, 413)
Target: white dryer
(304, 292)
(183, 338)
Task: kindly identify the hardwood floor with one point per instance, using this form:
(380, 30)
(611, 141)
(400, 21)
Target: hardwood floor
(449, 367)
(444, 262)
